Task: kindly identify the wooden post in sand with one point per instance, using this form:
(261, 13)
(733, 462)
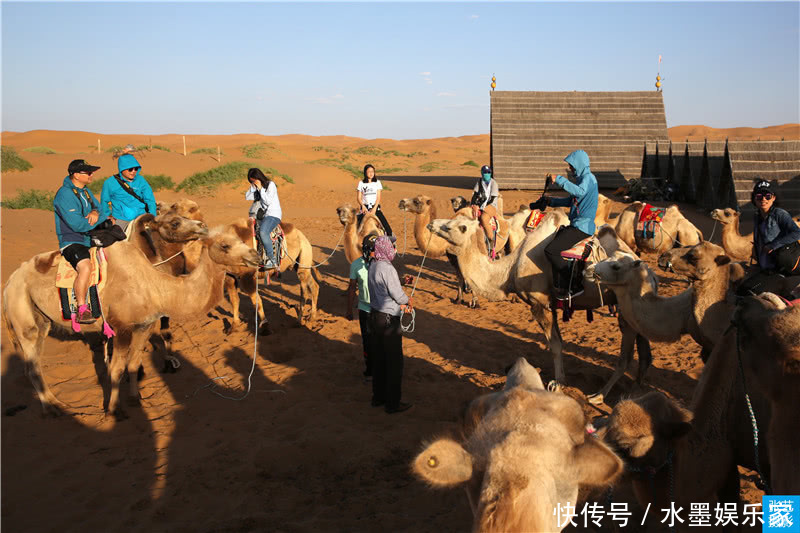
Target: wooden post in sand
(184, 145)
(219, 156)
(98, 145)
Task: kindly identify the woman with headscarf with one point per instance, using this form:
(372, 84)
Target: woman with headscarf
(386, 300)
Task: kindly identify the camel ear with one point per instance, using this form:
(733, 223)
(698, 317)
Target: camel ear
(722, 260)
(637, 263)
(443, 464)
(428, 201)
(596, 464)
(522, 374)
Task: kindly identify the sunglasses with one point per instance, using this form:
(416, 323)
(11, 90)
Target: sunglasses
(765, 196)
(135, 169)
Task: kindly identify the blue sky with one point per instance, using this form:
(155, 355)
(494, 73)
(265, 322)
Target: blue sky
(396, 70)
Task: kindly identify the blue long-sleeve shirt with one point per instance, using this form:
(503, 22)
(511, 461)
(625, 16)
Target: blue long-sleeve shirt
(72, 204)
(582, 199)
(116, 202)
(775, 230)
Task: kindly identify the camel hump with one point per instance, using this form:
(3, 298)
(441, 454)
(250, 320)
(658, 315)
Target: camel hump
(44, 262)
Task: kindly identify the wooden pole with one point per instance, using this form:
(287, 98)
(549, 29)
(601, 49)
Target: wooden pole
(98, 145)
(219, 156)
(184, 145)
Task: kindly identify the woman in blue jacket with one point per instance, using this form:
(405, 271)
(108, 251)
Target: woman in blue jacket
(127, 195)
(582, 203)
(76, 213)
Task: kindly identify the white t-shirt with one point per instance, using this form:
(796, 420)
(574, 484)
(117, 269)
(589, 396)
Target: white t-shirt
(369, 191)
(269, 200)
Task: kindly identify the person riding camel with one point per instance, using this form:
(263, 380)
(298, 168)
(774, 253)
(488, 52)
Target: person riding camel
(266, 208)
(484, 204)
(582, 203)
(126, 195)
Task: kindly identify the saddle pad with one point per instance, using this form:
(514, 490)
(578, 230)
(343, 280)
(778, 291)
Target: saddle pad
(650, 213)
(65, 274)
(579, 251)
(533, 220)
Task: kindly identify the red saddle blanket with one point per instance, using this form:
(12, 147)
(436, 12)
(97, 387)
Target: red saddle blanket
(579, 251)
(651, 213)
(534, 219)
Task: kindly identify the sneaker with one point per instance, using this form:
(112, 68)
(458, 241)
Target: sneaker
(85, 317)
(402, 406)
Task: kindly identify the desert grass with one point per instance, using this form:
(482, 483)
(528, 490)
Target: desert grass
(470, 163)
(430, 166)
(209, 151)
(11, 160)
(31, 199)
(206, 182)
(40, 150)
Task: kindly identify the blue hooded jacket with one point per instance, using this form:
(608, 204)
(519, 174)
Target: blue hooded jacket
(122, 205)
(72, 205)
(582, 199)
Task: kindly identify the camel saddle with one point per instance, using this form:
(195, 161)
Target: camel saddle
(65, 280)
(533, 220)
(649, 220)
(276, 236)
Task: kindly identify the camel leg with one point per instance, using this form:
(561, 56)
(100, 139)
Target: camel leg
(134, 357)
(629, 339)
(461, 283)
(645, 357)
(122, 344)
(308, 289)
(549, 324)
(233, 294)
(28, 330)
(248, 286)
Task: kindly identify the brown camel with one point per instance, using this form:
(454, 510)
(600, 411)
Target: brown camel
(354, 233)
(769, 346)
(528, 455)
(299, 257)
(527, 273)
(676, 230)
(737, 247)
(134, 298)
(461, 206)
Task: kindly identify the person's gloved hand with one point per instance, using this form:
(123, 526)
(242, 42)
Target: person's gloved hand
(540, 204)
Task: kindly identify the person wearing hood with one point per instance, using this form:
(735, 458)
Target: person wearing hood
(76, 213)
(484, 201)
(127, 195)
(386, 300)
(582, 203)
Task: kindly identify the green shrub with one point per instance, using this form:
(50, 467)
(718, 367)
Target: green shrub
(159, 147)
(368, 150)
(393, 170)
(429, 167)
(115, 149)
(10, 160)
(206, 181)
(254, 151)
(40, 150)
(269, 171)
(31, 199)
(210, 151)
(470, 163)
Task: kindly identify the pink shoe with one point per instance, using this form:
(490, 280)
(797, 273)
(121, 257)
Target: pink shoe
(75, 326)
(84, 315)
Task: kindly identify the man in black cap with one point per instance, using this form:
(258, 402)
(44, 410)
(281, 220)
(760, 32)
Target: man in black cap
(77, 213)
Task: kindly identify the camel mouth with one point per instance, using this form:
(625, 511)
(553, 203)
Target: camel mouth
(403, 204)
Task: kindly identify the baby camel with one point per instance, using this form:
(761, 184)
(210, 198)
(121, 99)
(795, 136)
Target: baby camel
(527, 456)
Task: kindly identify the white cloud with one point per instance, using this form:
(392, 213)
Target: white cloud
(473, 17)
(428, 81)
(424, 73)
(445, 94)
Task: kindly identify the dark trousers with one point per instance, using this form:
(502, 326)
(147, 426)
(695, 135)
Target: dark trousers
(757, 281)
(363, 322)
(387, 358)
(378, 213)
(565, 238)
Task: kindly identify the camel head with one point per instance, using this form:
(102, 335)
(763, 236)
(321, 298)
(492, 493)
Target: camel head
(769, 331)
(403, 204)
(175, 228)
(183, 207)
(625, 271)
(419, 204)
(229, 250)
(347, 214)
(643, 431)
(528, 452)
(700, 261)
(458, 202)
(725, 216)
(458, 231)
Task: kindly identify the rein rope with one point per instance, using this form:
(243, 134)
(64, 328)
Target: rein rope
(410, 327)
(168, 259)
(323, 262)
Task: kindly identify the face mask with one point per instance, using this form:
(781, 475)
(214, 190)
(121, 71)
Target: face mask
(487, 178)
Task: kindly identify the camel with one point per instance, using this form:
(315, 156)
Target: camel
(676, 230)
(528, 455)
(134, 298)
(769, 346)
(354, 233)
(299, 256)
(461, 206)
(527, 273)
(737, 247)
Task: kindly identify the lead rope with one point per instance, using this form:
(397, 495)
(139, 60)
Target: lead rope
(168, 259)
(285, 248)
(405, 235)
(411, 325)
(764, 484)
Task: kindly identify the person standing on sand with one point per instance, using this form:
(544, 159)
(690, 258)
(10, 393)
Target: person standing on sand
(368, 194)
(386, 301)
(127, 195)
(76, 214)
(359, 270)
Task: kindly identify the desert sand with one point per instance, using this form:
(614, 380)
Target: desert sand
(304, 451)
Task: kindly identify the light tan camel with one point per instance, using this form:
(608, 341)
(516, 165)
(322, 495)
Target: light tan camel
(769, 347)
(604, 206)
(461, 206)
(676, 230)
(528, 455)
(354, 233)
(527, 273)
(299, 257)
(737, 247)
(135, 297)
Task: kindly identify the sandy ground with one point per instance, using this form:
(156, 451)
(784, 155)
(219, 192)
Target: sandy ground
(304, 451)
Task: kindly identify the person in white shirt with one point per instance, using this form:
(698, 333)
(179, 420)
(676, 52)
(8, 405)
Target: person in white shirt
(368, 194)
(266, 208)
(484, 201)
